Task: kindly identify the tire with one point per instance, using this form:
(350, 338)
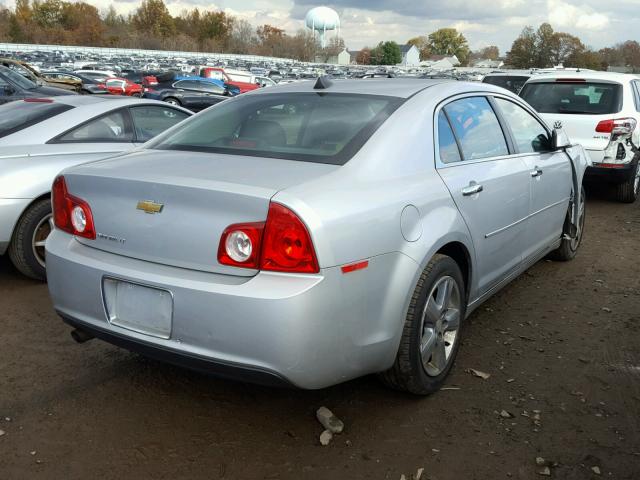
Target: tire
(412, 371)
(31, 228)
(569, 246)
(627, 192)
(173, 101)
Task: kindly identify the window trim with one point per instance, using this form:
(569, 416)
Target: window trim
(544, 126)
(127, 121)
(439, 164)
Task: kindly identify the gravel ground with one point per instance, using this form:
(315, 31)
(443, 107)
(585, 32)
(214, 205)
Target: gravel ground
(561, 345)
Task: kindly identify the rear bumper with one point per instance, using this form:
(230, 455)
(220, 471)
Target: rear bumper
(618, 174)
(310, 331)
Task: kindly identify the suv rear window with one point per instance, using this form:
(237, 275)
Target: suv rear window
(513, 83)
(16, 116)
(579, 98)
(311, 127)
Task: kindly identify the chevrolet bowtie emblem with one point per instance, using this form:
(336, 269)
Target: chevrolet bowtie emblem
(147, 206)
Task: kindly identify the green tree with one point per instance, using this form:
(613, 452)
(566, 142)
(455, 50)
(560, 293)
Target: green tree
(547, 46)
(153, 18)
(386, 53)
(523, 50)
(448, 41)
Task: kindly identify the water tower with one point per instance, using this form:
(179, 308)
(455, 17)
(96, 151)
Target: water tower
(321, 20)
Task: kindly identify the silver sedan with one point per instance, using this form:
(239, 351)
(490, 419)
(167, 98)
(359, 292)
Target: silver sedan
(41, 136)
(312, 233)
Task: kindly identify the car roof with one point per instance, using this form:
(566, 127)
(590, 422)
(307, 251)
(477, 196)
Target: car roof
(391, 87)
(584, 75)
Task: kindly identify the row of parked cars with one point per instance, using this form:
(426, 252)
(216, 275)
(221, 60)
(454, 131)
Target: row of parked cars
(310, 233)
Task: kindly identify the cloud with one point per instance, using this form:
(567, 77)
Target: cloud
(563, 14)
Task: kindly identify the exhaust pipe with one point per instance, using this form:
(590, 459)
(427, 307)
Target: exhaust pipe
(81, 336)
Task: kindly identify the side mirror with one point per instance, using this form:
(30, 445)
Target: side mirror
(560, 139)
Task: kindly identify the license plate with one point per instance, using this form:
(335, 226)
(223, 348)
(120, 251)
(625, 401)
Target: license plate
(139, 308)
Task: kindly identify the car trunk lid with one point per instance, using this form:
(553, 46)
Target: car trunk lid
(171, 207)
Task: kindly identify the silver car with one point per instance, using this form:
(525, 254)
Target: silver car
(308, 234)
(39, 137)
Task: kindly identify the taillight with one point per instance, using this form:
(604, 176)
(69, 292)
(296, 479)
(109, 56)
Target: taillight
(71, 214)
(286, 243)
(619, 126)
(281, 244)
(240, 245)
(101, 86)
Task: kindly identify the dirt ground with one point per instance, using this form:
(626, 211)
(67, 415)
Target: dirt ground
(561, 343)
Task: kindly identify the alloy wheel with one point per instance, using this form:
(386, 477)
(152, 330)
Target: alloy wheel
(40, 234)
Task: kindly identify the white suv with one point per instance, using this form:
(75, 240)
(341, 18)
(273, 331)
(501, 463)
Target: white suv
(601, 111)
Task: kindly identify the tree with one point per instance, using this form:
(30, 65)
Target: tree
(364, 56)
(491, 52)
(630, 52)
(386, 53)
(422, 44)
(448, 41)
(153, 18)
(547, 45)
(523, 50)
(336, 45)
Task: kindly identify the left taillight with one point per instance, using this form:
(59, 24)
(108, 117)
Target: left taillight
(70, 213)
(281, 244)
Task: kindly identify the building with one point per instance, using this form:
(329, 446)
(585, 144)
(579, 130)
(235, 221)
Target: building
(441, 62)
(344, 57)
(410, 55)
(486, 63)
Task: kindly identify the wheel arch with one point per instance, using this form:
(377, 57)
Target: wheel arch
(35, 200)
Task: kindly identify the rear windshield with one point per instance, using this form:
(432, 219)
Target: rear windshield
(15, 116)
(510, 82)
(579, 98)
(310, 127)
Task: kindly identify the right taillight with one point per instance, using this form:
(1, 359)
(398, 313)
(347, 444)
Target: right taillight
(618, 126)
(281, 244)
(71, 214)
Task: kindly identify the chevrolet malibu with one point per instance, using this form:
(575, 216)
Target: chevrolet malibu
(312, 233)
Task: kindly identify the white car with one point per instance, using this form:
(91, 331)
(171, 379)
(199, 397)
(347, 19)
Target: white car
(601, 111)
(98, 74)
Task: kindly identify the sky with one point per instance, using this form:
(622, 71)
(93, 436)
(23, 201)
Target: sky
(483, 22)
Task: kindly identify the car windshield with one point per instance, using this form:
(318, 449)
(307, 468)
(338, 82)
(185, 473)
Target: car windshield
(16, 116)
(513, 83)
(579, 98)
(18, 79)
(311, 127)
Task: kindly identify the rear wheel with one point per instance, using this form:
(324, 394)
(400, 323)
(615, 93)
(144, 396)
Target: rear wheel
(627, 192)
(431, 333)
(173, 101)
(27, 245)
(571, 241)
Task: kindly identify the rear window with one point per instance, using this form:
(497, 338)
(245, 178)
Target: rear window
(312, 127)
(579, 98)
(16, 116)
(510, 82)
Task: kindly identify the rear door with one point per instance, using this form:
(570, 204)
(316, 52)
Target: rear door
(489, 185)
(550, 176)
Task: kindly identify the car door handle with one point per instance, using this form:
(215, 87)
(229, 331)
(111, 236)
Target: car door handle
(472, 189)
(536, 172)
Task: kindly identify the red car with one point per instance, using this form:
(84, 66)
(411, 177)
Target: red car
(122, 86)
(243, 80)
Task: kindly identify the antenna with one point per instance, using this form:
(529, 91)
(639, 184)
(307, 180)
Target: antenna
(323, 82)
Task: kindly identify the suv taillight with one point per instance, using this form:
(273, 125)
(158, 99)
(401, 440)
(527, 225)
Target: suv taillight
(618, 126)
(281, 244)
(71, 214)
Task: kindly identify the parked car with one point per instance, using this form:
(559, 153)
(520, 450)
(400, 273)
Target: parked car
(341, 251)
(36, 77)
(512, 81)
(193, 93)
(14, 86)
(87, 85)
(97, 74)
(122, 86)
(601, 111)
(245, 81)
(41, 136)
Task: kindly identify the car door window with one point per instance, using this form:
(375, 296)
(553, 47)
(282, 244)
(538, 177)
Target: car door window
(477, 128)
(447, 146)
(150, 121)
(189, 84)
(210, 87)
(108, 128)
(528, 133)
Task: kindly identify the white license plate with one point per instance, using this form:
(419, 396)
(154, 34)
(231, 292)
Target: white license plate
(139, 308)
